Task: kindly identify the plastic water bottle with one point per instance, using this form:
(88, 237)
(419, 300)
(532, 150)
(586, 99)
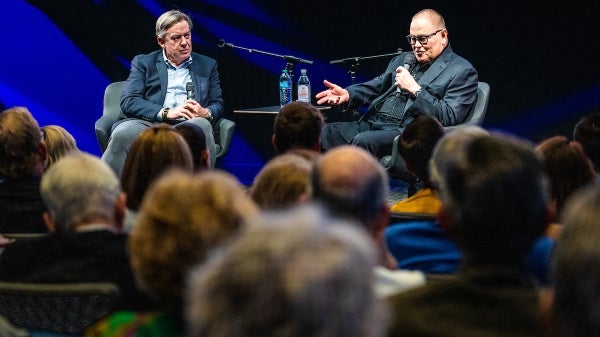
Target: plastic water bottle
(285, 88)
(303, 87)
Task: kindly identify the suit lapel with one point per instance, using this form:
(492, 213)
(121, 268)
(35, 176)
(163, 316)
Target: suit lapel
(161, 68)
(433, 72)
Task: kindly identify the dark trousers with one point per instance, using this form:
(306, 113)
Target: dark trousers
(372, 135)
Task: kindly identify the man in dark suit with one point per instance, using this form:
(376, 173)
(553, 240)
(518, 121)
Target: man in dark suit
(157, 89)
(430, 80)
(85, 215)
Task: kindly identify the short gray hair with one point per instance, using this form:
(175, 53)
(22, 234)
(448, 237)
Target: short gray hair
(77, 188)
(168, 19)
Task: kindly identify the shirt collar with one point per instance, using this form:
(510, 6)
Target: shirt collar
(185, 64)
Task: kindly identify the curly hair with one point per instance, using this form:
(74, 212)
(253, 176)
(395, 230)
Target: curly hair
(181, 219)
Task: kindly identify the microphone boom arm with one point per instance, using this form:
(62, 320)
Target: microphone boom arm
(291, 60)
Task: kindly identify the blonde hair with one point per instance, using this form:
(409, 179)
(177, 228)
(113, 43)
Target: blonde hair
(58, 142)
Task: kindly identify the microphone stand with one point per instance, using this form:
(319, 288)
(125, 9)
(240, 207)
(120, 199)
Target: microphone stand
(290, 60)
(354, 62)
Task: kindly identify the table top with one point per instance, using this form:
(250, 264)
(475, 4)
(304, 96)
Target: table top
(272, 110)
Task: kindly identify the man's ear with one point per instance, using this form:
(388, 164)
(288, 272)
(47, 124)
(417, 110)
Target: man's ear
(318, 146)
(49, 221)
(120, 206)
(381, 221)
(274, 143)
(204, 162)
(43, 154)
(160, 42)
(445, 221)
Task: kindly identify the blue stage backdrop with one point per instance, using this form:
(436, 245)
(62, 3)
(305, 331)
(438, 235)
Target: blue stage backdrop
(60, 55)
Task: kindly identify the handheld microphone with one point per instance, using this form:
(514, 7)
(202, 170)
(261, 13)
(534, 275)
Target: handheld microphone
(409, 62)
(189, 89)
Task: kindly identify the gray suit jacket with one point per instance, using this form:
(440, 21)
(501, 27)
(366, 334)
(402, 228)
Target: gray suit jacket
(144, 92)
(449, 89)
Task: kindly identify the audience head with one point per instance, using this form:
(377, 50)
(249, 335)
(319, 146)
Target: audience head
(575, 271)
(297, 125)
(23, 151)
(587, 133)
(296, 273)
(567, 166)
(283, 182)
(196, 140)
(417, 143)
(182, 218)
(154, 151)
(494, 199)
(448, 150)
(58, 141)
(351, 183)
(81, 189)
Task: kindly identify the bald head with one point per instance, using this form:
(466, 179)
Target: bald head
(350, 182)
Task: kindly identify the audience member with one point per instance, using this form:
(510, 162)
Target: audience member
(298, 125)
(428, 80)
(283, 182)
(495, 205)
(156, 150)
(415, 146)
(422, 244)
(568, 169)
(296, 274)
(195, 138)
(85, 215)
(157, 89)
(576, 301)
(183, 217)
(587, 133)
(351, 183)
(58, 142)
(23, 158)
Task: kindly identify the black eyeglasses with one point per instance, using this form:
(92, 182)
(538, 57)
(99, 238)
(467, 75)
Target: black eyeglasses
(423, 39)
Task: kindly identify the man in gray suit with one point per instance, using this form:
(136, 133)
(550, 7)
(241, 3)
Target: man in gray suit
(430, 80)
(158, 89)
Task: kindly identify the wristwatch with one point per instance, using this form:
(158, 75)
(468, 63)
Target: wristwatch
(210, 117)
(417, 93)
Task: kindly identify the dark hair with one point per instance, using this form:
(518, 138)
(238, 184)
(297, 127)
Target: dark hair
(587, 132)
(417, 143)
(297, 125)
(496, 196)
(20, 137)
(196, 140)
(155, 150)
(567, 166)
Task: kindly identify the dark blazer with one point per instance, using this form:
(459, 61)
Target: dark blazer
(144, 92)
(94, 256)
(449, 89)
(21, 206)
(478, 303)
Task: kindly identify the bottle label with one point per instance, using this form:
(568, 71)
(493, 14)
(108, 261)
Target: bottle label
(304, 93)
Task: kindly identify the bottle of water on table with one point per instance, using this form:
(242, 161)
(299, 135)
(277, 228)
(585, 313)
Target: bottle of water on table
(285, 88)
(303, 87)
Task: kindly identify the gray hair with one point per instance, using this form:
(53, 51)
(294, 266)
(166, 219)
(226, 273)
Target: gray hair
(310, 275)
(168, 19)
(78, 188)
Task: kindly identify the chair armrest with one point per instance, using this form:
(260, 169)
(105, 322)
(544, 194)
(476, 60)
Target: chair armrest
(226, 128)
(103, 128)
